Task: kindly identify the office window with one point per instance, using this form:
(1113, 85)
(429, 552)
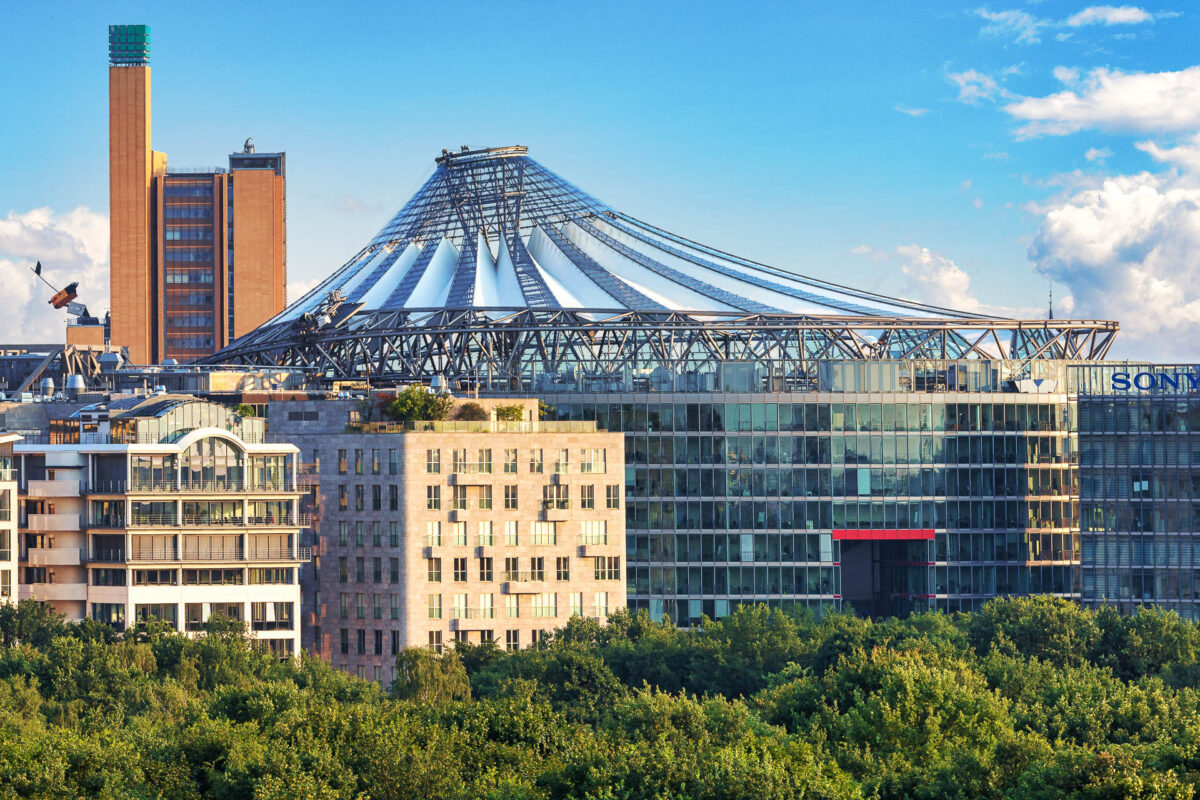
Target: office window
(510, 461)
(545, 606)
(360, 533)
(343, 533)
(608, 568)
(395, 643)
(343, 605)
(511, 537)
(537, 569)
(377, 570)
(577, 604)
(376, 464)
(485, 607)
(393, 461)
(512, 640)
(433, 497)
(460, 570)
(341, 462)
(458, 534)
(461, 604)
(562, 462)
(593, 531)
(485, 498)
(435, 606)
(395, 607)
(393, 498)
(360, 605)
(377, 498)
(485, 569)
(345, 641)
(433, 569)
(535, 460)
(556, 496)
(393, 570)
(358, 462)
(393, 534)
(562, 568)
(343, 498)
(377, 533)
(458, 498)
(343, 569)
(360, 497)
(377, 606)
(433, 533)
(512, 606)
(510, 496)
(543, 532)
(360, 570)
(485, 533)
(512, 569)
(601, 604)
(612, 496)
(378, 646)
(433, 461)
(587, 497)
(593, 459)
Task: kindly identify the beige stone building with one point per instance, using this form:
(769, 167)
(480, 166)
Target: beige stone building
(456, 531)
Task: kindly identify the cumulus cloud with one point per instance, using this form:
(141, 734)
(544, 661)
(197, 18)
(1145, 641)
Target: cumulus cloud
(72, 246)
(1185, 156)
(1110, 15)
(1021, 26)
(1097, 153)
(935, 279)
(297, 289)
(1126, 249)
(1144, 102)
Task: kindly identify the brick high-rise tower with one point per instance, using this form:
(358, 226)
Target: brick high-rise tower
(174, 233)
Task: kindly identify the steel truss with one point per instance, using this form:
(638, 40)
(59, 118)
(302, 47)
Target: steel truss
(530, 348)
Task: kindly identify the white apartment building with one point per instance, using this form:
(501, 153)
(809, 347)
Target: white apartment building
(163, 507)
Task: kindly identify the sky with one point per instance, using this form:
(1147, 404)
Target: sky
(971, 156)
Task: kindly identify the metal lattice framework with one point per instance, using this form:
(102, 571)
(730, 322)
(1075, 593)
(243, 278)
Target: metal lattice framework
(498, 272)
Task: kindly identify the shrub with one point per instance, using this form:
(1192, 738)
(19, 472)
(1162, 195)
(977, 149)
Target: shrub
(509, 413)
(471, 412)
(417, 403)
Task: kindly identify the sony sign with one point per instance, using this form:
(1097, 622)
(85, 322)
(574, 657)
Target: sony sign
(1156, 381)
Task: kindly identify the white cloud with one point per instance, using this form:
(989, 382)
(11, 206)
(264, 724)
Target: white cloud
(1115, 101)
(1023, 27)
(873, 253)
(1184, 156)
(1126, 250)
(1067, 75)
(1110, 15)
(912, 112)
(72, 247)
(297, 289)
(998, 155)
(965, 184)
(975, 86)
(937, 280)
(1097, 153)
(977, 202)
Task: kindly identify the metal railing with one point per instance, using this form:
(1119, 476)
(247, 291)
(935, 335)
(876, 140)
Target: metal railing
(172, 554)
(483, 426)
(171, 521)
(8, 474)
(525, 577)
(472, 613)
(196, 487)
(471, 467)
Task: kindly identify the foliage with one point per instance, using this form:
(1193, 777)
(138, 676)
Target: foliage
(244, 410)
(1024, 699)
(471, 412)
(510, 413)
(416, 403)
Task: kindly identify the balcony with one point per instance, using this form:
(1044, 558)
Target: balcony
(49, 523)
(555, 511)
(148, 555)
(52, 556)
(285, 486)
(593, 550)
(172, 521)
(58, 591)
(472, 619)
(53, 488)
(8, 474)
(523, 583)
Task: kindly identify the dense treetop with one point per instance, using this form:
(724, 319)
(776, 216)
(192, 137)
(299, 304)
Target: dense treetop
(1029, 698)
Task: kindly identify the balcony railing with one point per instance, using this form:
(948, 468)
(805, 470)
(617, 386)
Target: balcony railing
(8, 474)
(172, 521)
(172, 554)
(192, 487)
(484, 426)
(471, 467)
(524, 577)
(473, 613)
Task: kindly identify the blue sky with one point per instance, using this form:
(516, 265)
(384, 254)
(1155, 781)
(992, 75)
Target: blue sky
(909, 147)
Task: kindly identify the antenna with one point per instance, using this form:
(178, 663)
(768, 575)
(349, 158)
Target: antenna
(1051, 301)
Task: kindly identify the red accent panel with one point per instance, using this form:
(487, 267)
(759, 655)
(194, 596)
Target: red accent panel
(909, 534)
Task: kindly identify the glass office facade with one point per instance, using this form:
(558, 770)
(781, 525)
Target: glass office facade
(1139, 438)
(883, 502)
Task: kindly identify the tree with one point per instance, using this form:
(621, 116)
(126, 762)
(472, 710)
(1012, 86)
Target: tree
(244, 410)
(416, 403)
(509, 413)
(424, 676)
(471, 412)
